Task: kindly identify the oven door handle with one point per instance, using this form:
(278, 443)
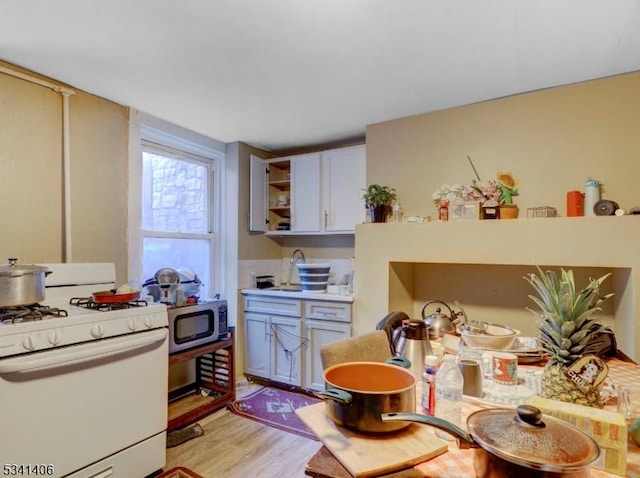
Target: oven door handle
(81, 353)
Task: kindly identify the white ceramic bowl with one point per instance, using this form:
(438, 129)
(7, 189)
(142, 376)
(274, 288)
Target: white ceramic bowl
(502, 340)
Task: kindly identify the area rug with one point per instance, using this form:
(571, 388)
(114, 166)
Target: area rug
(276, 407)
(179, 472)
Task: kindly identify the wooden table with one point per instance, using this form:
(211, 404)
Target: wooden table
(459, 463)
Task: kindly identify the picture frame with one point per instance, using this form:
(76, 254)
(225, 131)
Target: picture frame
(464, 210)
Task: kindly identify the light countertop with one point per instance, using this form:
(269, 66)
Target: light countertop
(300, 295)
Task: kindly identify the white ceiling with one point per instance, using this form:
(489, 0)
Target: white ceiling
(281, 74)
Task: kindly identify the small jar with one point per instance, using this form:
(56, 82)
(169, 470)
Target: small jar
(443, 210)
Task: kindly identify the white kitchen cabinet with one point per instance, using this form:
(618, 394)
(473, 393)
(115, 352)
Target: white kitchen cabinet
(318, 334)
(344, 176)
(285, 190)
(287, 350)
(274, 344)
(283, 337)
(305, 193)
(257, 344)
(323, 191)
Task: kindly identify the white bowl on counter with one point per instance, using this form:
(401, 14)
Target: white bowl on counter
(496, 337)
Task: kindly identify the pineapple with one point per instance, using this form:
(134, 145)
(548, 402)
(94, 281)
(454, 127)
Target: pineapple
(566, 328)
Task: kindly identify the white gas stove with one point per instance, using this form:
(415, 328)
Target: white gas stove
(88, 387)
(74, 318)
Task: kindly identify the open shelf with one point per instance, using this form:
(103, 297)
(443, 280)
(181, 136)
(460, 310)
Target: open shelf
(213, 388)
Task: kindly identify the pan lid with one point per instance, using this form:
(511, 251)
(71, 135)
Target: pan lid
(522, 437)
(13, 269)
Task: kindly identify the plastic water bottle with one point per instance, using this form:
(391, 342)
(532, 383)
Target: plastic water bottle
(591, 196)
(428, 400)
(449, 384)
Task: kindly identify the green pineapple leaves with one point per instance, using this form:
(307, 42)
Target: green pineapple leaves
(565, 320)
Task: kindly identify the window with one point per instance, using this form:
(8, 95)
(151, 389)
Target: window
(176, 219)
(179, 206)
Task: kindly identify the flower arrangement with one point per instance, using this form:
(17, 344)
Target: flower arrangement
(483, 191)
(501, 190)
(449, 193)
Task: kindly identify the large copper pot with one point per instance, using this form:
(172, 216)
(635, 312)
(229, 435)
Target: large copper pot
(358, 393)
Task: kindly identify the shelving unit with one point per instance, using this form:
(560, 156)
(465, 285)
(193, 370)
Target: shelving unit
(214, 377)
(279, 185)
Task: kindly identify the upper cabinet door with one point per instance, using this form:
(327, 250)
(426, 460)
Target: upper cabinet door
(258, 195)
(305, 193)
(344, 176)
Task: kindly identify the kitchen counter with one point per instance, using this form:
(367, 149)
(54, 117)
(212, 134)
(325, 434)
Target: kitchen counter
(276, 292)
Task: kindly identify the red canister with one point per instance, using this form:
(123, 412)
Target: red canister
(575, 204)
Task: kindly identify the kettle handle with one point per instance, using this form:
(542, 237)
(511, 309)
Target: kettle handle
(436, 302)
(395, 336)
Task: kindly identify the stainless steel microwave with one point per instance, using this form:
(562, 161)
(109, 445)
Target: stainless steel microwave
(198, 324)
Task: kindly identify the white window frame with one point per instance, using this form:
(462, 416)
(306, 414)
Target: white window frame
(158, 133)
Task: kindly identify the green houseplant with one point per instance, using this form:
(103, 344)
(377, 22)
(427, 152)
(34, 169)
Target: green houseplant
(566, 329)
(378, 200)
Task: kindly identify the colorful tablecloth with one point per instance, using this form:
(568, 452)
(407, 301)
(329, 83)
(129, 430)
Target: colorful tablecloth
(458, 463)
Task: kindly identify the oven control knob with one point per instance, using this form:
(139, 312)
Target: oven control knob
(148, 322)
(55, 337)
(29, 342)
(97, 331)
(133, 324)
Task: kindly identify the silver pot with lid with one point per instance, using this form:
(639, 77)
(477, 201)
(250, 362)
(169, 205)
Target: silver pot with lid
(519, 443)
(21, 284)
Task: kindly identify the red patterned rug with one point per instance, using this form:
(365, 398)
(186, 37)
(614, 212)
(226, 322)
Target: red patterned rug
(276, 407)
(180, 472)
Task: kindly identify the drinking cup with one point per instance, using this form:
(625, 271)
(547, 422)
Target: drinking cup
(504, 368)
(472, 375)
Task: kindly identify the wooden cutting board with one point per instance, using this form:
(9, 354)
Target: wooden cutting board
(366, 455)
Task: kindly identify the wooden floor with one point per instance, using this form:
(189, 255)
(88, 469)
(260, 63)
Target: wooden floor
(235, 447)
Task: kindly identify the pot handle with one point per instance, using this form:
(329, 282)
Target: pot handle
(399, 361)
(451, 315)
(337, 395)
(464, 439)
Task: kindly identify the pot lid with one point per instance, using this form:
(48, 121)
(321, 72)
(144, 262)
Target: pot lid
(526, 437)
(13, 269)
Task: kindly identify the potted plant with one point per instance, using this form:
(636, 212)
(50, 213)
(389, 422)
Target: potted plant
(508, 184)
(567, 331)
(378, 200)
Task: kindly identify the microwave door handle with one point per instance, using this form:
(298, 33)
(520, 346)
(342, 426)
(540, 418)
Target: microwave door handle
(81, 353)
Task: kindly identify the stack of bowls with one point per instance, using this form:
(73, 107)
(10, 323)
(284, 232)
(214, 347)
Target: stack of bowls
(314, 277)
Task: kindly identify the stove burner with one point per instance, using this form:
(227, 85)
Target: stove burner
(28, 313)
(88, 303)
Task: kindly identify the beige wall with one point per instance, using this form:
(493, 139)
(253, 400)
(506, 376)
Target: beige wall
(552, 140)
(251, 245)
(31, 184)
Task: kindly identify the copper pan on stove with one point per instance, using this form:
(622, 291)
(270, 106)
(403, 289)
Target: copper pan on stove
(112, 297)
